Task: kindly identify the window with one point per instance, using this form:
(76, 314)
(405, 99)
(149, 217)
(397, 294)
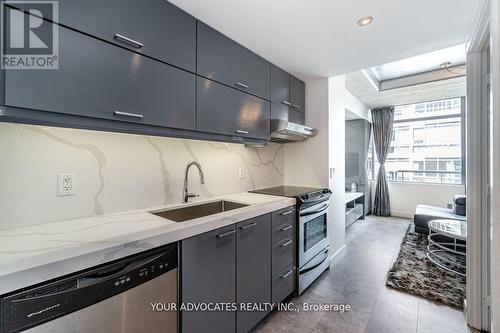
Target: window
(426, 145)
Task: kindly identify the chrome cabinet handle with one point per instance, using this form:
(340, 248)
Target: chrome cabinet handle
(230, 232)
(126, 114)
(295, 106)
(287, 274)
(288, 242)
(241, 132)
(128, 41)
(241, 85)
(286, 103)
(287, 212)
(286, 227)
(251, 225)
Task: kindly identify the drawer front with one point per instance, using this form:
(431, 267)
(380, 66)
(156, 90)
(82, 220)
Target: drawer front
(99, 80)
(283, 252)
(283, 284)
(283, 231)
(225, 110)
(285, 215)
(223, 60)
(164, 31)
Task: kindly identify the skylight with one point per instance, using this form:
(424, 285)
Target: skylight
(421, 63)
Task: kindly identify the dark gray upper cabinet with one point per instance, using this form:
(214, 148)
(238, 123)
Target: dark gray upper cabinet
(253, 274)
(222, 59)
(285, 113)
(153, 27)
(280, 86)
(228, 111)
(97, 79)
(208, 269)
(297, 94)
(297, 117)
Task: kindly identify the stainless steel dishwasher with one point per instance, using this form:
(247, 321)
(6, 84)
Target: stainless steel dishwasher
(114, 297)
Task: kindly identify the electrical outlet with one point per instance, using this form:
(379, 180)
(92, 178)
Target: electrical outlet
(67, 184)
(241, 173)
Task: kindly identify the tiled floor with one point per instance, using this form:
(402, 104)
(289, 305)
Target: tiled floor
(358, 279)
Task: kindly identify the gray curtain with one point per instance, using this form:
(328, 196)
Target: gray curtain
(382, 120)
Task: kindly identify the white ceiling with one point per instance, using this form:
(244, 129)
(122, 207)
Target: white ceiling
(321, 38)
(360, 87)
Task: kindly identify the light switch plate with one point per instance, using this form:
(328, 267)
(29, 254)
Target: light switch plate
(66, 184)
(241, 173)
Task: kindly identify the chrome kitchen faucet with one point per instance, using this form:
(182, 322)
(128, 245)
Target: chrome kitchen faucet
(186, 194)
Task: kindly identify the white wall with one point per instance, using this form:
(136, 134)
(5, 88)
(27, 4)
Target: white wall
(355, 106)
(308, 163)
(117, 172)
(495, 190)
(336, 150)
(406, 196)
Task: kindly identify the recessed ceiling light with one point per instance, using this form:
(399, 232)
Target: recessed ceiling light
(364, 21)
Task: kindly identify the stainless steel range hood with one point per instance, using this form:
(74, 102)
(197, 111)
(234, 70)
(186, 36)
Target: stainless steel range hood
(284, 131)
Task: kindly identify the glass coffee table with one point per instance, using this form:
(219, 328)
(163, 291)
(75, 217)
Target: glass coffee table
(440, 248)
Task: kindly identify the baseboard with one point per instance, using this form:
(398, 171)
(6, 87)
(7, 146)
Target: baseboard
(337, 255)
(405, 215)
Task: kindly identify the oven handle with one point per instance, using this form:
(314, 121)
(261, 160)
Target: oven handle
(308, 269)
(316, 211)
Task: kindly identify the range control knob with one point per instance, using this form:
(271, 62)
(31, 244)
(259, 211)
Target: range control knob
(304, 197)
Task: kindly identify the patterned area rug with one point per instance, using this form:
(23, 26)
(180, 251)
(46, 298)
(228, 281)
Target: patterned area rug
(414, 273)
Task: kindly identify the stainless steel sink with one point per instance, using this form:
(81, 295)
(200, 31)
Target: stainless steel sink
(195, 211)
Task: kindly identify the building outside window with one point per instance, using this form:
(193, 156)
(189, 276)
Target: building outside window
(426, 144)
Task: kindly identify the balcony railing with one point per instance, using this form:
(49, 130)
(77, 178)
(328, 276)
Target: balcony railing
(435, 176)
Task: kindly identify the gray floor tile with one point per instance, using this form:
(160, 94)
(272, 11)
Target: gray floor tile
(358, 279)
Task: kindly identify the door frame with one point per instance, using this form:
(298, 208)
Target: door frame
(477, 41)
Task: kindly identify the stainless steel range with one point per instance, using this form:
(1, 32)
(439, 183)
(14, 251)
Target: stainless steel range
(312, 225)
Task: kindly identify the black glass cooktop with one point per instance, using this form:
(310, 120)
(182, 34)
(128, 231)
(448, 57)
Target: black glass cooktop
(287, 191)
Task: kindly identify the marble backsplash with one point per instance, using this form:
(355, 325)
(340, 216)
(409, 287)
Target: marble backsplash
(117, 172)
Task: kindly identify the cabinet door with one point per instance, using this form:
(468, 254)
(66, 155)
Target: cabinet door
(225, 110)
(279, 86)
(152, 27)
(97, 79)
(253, 274)
(297, 94)
(208, 275)
(297, 117)
(223, 60)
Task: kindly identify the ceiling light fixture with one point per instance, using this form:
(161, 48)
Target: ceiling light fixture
(365, 21)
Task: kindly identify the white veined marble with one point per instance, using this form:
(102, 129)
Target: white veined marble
(117, 172)
(34, 254)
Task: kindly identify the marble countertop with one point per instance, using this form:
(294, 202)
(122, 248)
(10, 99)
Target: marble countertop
(34, 254)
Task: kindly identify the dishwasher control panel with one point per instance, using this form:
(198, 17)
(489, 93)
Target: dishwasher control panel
(34, 306)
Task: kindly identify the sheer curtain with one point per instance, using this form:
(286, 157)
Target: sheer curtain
(382, 120)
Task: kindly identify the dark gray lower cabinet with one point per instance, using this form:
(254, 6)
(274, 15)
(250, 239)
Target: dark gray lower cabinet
(228, 111)
(253, 269)
(230, 264)
(99, 80)
(208, 276)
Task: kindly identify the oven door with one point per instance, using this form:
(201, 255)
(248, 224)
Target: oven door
(313, 231)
